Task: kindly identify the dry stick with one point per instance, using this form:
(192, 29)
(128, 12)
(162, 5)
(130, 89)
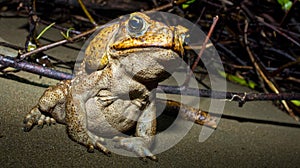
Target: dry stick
(215, 20)
(281, 68)
(280, 52)
(87, 12)
(167, 6)
(163, 7)
(232, 96)
(52, 45)
(33, 68)
(293, 79)
(261, 73)
(261, 20)
(15, 47)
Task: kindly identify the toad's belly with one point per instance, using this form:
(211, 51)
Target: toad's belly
(118, 117)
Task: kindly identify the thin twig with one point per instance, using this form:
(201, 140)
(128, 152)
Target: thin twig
(231, 96)
(34, 68)
(261, 20)
(87, 12)
(163, 7)
(281, 68)
(10, 46)
(168, 5)
(280, 52)
(215, 20)
(58, 43)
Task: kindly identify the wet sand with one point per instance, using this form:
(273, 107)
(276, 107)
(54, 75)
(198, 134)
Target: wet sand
(256, 135)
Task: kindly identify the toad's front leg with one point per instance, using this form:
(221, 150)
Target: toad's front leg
(50, 107)
(145, 131)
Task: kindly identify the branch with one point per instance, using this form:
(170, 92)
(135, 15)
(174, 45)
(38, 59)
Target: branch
(58, 43)
(233, 96)
(215, 20)
(33, 68)
(261, 20)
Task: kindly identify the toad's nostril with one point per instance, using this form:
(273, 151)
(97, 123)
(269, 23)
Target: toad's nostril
(186, 39)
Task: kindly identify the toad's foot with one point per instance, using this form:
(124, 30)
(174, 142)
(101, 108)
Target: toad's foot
(95, 142)
(136, 145)
(35, 117)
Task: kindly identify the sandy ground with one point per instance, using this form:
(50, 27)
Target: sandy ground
(257, 135)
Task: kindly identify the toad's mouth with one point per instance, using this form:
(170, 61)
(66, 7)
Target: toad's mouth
(177, 48)
(145, 47)
(149, 51)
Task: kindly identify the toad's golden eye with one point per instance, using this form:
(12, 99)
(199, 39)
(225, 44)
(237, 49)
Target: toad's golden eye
(136, 26)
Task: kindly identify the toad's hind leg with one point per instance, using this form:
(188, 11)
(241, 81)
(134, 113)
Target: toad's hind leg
(50, 108)
(76, 121)
(145, 134)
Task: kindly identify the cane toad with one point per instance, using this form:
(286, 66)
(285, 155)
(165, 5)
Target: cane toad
(113, 90)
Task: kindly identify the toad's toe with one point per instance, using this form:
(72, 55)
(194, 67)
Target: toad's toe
(136, 145)
(35, 117)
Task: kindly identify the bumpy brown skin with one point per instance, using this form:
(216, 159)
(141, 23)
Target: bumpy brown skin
(111, 92)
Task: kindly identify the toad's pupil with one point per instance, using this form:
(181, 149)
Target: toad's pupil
(135, 24)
